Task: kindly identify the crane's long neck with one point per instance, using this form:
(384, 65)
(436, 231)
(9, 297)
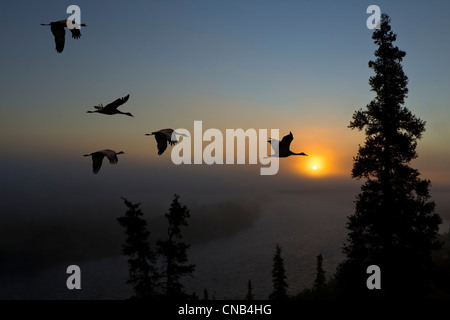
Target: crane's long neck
(298, 154)
(125, 113)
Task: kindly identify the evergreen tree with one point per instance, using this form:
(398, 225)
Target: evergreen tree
(205, 294)
(173, 251)
(142, 274)
(319, 281)
(394, 225)
(279, 278)
(249, 295)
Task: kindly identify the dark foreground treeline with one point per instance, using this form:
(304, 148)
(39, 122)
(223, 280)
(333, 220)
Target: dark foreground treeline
(156, 270)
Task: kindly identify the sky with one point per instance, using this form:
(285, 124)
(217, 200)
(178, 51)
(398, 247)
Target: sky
(296, 66)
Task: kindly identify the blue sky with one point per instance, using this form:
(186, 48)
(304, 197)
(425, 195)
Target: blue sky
(292, 65)
(264, 61)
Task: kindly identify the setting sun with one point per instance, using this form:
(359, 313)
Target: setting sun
(324, 158)
(318, 163)
(315, 165)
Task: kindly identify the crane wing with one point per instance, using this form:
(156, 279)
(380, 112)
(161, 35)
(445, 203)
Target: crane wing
(76, 32)
(161, 139)
(286, 141)
(97, 159)
(111, 155)
(117, 103)
(60, 34)
(170, 136)
(167, 133)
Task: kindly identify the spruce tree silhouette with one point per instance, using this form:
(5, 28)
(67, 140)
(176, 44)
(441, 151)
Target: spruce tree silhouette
(394, 225)
(320, 280)
(279, 283)
(205, 294)
(142, 273)
(173, 252)
(249, 295)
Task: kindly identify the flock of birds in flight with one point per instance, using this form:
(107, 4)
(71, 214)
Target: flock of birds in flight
(163, 137)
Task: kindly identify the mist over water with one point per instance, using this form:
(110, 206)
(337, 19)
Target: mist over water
(224, 265)
(237, 218)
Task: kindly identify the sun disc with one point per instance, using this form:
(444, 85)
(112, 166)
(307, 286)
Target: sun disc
(315, 165)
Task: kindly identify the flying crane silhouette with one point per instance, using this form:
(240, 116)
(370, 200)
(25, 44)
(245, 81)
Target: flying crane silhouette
(163, 137)
(97, 158)
(57, 28)
(111, 108)
(284, 147)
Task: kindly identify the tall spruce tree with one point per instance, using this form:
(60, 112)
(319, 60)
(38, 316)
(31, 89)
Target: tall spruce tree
(279, 279)
(173, 251)
(142, 273)
(394, 225)
(319, 281)
(249, 295)
(205, 294)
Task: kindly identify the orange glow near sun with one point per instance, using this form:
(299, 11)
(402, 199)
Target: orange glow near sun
(315, 165)
(318, 164)
(326, 158)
